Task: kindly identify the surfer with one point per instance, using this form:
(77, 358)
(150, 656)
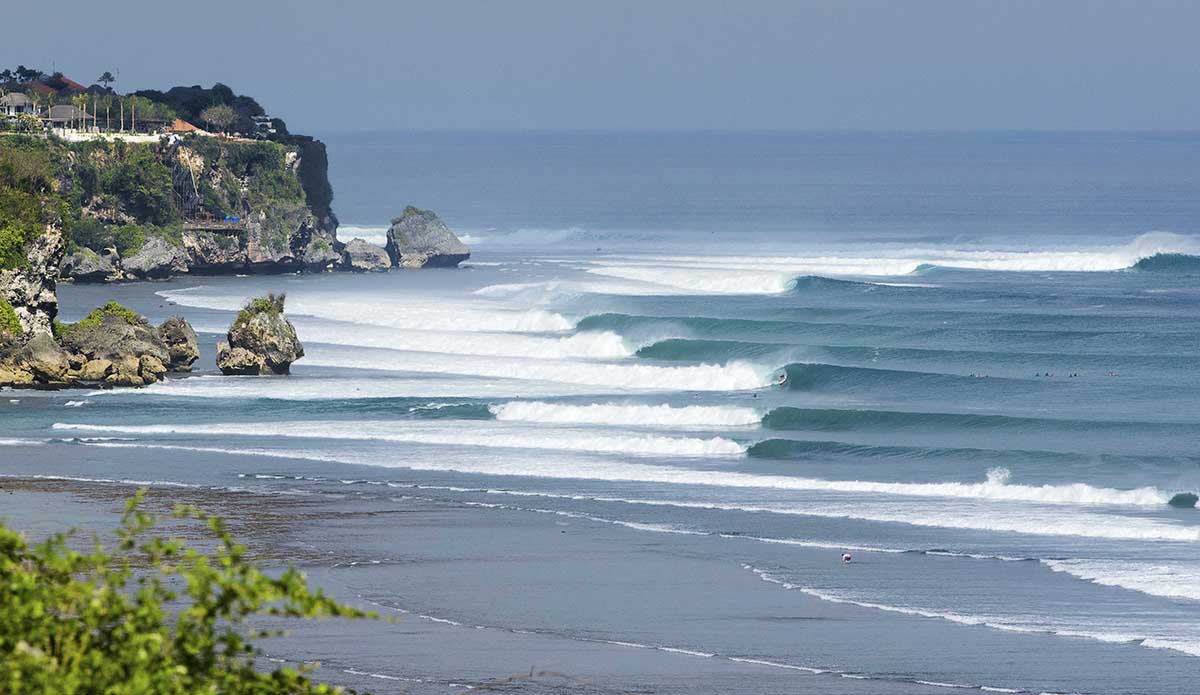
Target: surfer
(781, 380)
(846, 558)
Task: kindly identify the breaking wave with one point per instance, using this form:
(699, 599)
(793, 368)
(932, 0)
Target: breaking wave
(626, 414)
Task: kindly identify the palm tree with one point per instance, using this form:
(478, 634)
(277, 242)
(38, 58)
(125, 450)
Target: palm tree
(79, 101)
(122, 101)
(106, 102)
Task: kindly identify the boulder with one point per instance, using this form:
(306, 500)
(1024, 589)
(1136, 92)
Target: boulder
(362, 256)
(418, 239)
(94, 370)
(43, 359)
(157, 259)
(260, 341)
(321, 254)
(182, 346)
(86, 265)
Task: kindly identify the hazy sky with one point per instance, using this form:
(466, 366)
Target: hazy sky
(773, 64)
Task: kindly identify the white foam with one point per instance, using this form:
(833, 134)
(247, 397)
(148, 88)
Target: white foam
(585, 345)
(16, 441)
(414, 311)
(996, 488)
(735, 376)
(478, 435)
(626, 414)
(1178, 580)
(374, 234)
(1024, 519)
(775, 274)
(1005, 623)
(313, 388)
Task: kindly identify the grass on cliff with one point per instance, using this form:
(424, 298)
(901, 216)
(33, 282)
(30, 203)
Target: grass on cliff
(9, 324)
(148, 614)
(272, 304)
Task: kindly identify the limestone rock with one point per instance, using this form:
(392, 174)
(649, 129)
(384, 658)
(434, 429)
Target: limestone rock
(239, 361)
(182, 346)
(260, 341)
(157, 259)
(418, 239)
(44, 359)
(362, 256)
(31, 289)
(95, 370)
(86, 265)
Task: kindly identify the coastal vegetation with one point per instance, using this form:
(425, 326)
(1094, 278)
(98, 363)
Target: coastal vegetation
(150, 614)
(10, 325)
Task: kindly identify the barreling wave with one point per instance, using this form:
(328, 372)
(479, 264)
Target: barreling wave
(1170, 263)
(626, 414)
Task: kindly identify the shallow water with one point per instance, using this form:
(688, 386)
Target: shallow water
(988, 396)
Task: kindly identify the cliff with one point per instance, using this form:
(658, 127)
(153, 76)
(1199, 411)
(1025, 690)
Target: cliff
(146, 211)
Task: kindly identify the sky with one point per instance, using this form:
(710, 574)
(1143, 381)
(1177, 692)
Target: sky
(650, 64)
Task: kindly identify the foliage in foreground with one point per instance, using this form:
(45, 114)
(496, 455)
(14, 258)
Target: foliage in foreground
(151, 616)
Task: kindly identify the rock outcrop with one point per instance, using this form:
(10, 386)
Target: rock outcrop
(118, 346)
(180, 340)
(418, 239)
(363, 256)
(31, 289)
(260, 341)
(156, 260)
(86, 265)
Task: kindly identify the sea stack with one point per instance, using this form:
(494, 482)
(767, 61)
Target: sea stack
(418, 239)
(261, 340)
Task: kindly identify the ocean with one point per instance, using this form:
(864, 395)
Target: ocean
(682, 373)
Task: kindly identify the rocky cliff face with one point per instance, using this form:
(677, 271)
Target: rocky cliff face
(31, 290)
(150, 211)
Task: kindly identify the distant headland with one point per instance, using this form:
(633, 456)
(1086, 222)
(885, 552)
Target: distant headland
(152, 184)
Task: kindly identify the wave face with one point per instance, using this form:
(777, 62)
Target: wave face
(1170, 263)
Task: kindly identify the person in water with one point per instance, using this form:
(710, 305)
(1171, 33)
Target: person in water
(846, 558)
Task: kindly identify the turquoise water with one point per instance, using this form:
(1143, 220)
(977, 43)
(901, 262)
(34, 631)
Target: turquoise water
(967, 359)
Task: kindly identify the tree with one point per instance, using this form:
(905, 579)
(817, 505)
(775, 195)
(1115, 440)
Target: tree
(79, 101)
(151, 616)
(219, 115)
(106, 79)
(105, 102)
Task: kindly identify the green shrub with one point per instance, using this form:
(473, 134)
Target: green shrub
(271, 304)
(9, 324)
(93, 319)
(150, 616)
(25, 176)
